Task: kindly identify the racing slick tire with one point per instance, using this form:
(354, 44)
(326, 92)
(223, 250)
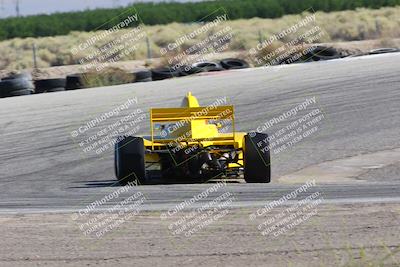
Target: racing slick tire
(256, 157)
(129, 160)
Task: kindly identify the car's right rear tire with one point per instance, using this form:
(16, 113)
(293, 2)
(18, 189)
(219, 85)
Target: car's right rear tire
(257, 164)
(129, 160)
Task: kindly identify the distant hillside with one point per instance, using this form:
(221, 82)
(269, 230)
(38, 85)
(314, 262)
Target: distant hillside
(164, 13)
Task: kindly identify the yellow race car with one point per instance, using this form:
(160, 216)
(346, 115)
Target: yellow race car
(193, 144)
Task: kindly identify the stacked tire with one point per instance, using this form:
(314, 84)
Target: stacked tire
(320, 53)
(383, 51)
(143, 76)
(75, 81)
(16, 85)
(234, 64)
(198, 67)
(208, 66)
(164, 73)
(50, 85)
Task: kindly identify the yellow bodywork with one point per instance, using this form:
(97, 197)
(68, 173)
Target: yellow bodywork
(193, 143)
(190, 125)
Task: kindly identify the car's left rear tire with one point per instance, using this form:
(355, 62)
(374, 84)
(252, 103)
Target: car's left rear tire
(129, 160)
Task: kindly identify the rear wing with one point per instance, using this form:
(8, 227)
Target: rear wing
(188, 114)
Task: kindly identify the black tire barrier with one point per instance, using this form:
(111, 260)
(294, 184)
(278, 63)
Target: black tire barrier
(8, 86)
(143, 76)
(207, 66)
(46, 85)
(74, 81)
(189, 70)
(234, 63)
(323, 53)
(58, 89)
(164, 73)
(21, 92)
(25, 76)
(16, 84)
(383, 51)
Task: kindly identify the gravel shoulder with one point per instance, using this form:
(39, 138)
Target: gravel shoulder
(379, 166)
(339, 235)
(387, 173)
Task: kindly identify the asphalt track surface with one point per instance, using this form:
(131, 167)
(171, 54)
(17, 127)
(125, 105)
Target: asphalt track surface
(43, 169)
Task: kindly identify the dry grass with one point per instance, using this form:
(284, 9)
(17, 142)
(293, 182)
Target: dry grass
(361, 24)
(107, 77)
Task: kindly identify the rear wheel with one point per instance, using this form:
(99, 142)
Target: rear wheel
(129, 160)
(257, 165)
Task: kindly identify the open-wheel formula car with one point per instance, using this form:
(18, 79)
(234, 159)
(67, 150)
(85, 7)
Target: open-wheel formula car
(193, 144)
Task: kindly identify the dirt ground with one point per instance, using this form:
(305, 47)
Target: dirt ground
(337, 235)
